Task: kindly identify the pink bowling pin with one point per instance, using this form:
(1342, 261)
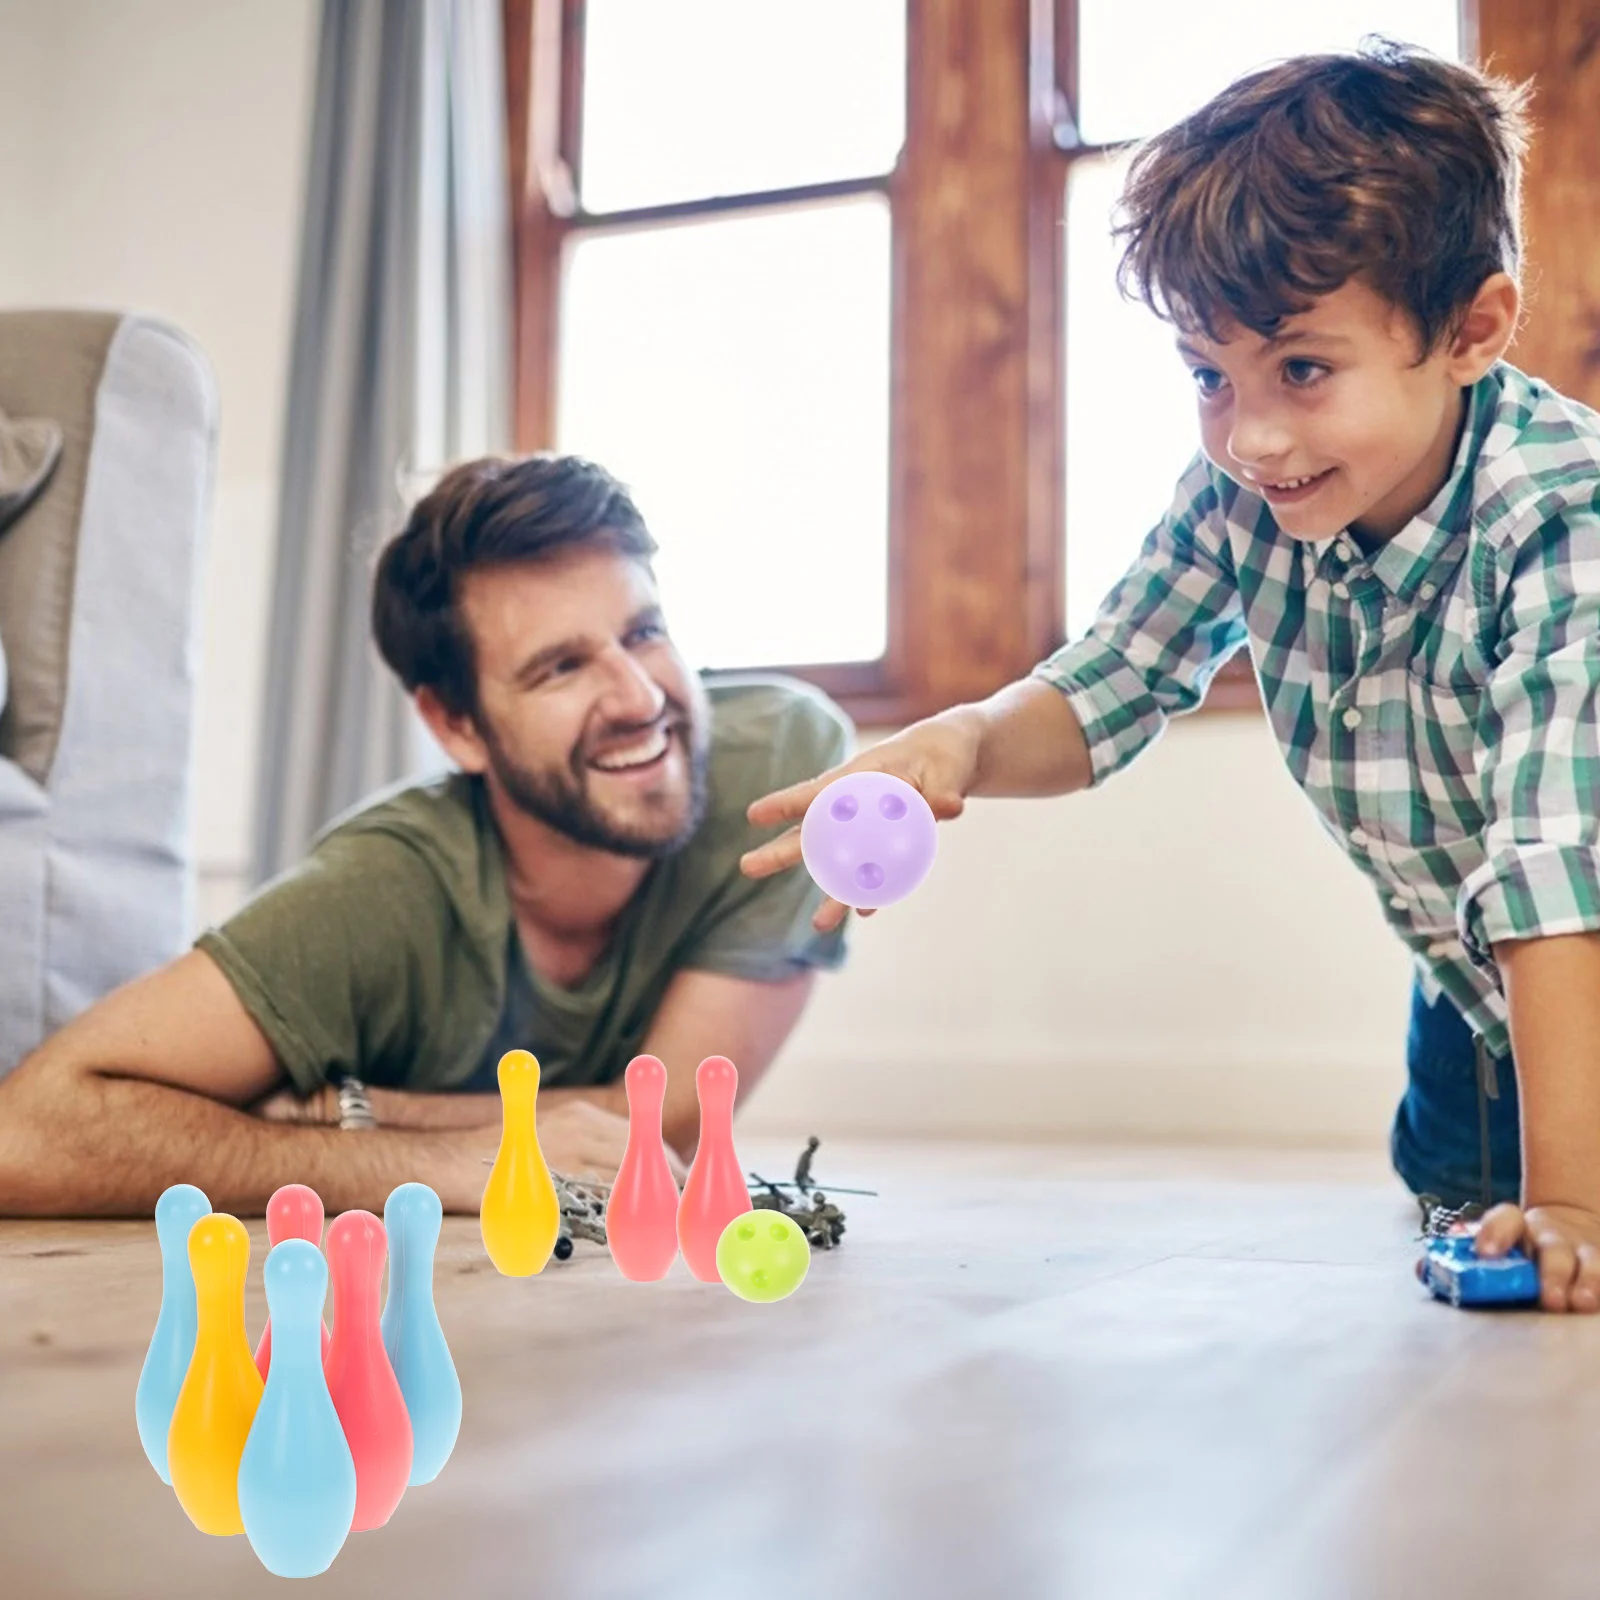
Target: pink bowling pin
(293, 1212)
(365, 1391)
(715, 1193)
(642, 1213)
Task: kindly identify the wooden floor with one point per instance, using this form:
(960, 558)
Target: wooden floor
(1027, 1372)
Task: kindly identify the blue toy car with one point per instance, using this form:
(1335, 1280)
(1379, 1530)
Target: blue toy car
(1452, 1271)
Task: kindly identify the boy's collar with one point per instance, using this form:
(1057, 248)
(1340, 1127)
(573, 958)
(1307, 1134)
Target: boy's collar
(1430, 546)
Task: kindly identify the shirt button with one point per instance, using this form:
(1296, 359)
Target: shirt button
(1441, 947)
(1345, 550)
(1342, 589)
(1352, 718)
(1399, 902)
(1428, 591)
(1358, 837)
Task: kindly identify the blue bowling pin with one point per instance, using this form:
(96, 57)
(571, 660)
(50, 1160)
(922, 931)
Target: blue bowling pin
(411, 1332)
(166, 1362)
(297, 1478)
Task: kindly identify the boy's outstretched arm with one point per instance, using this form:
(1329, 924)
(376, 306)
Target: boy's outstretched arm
(1160, 634)
(1024, 740)
(1553, 990)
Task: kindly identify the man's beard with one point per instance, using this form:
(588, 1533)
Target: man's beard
(560, 798)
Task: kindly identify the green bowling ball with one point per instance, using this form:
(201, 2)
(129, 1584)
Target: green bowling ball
(763, 1256)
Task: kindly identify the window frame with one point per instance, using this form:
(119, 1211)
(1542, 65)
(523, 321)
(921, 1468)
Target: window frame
(974, 545)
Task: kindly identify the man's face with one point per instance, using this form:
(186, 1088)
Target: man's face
(589, 720)
(1332, 421)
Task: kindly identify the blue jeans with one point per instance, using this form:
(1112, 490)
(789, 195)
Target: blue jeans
(1440, 1127)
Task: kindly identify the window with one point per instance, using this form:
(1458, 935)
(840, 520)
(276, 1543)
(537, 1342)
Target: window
(724, 320)
(734, 370)
(774, 268)
(831, 286)
(706, 203)
(810, 94)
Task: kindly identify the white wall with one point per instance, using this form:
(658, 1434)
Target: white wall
(152, 157)
(1181, 954)
(21, 126)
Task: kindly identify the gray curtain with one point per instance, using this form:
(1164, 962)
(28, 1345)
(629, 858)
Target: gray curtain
(401, 364)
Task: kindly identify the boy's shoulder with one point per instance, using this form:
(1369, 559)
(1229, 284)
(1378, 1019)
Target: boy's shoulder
(1538, 460)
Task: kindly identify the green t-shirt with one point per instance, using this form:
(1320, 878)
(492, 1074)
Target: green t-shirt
(391, 950)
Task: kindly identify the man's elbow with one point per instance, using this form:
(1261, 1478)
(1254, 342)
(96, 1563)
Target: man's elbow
(682, 1137)
(32, 1180)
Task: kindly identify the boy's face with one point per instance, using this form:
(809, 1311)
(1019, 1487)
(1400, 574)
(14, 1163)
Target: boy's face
(1333, 421)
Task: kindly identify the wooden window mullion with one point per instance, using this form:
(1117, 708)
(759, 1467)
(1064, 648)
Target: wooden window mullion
(1050, 73)
(539, 92)
(962, 555)
(1556, 43)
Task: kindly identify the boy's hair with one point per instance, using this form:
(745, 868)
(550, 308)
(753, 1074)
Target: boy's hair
(1385, 163)
(487, 513)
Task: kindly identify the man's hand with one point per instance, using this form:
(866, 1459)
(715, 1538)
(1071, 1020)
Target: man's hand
(320, 1108)
(938, 758)
(577, 1138)
(581, 1139)
(1564, 1240)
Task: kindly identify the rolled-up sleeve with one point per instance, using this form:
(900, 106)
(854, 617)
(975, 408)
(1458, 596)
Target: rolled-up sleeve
(1540, 735)
(1174, 617)
(342, 959)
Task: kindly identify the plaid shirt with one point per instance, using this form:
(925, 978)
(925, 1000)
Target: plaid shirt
(1435, 697)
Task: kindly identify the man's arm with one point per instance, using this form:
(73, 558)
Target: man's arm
(711, 1014)
(582, 1131)
(146, 1089)
(702, 1014)
(429, 1108)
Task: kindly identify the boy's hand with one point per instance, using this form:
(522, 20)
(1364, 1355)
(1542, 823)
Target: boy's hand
(1564, 1240)
(938, 758)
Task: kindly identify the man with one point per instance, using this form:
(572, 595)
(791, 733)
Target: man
(574, 889)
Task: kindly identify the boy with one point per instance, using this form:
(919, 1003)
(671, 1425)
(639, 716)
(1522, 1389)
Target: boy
(1405, 530)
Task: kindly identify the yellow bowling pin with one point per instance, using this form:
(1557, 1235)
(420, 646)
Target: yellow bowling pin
(519, 1215)
(222, 1389)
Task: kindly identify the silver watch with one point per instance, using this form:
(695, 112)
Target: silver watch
(355, 1109)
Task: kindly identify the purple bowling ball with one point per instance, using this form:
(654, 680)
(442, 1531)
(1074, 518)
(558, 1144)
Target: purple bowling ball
(868, 839)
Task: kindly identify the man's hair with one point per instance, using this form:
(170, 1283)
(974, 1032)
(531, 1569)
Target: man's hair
(1386, 163)
(487, 513)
